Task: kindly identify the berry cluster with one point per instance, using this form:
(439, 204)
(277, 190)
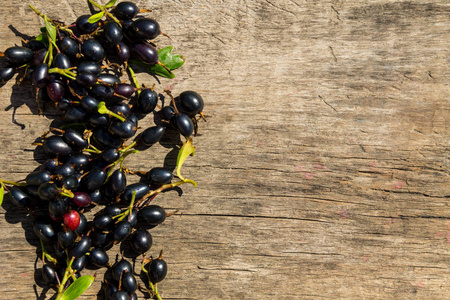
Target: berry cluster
(79, 68)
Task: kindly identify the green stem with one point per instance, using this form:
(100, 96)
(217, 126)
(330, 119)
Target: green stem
(49, 54)
(152, 286)
(45, 253)
(128, 147)
(65, 72)
(113, 18)
(155, 290)
(67, 274)
(120, 160)
(102, 7)
(102, 109)
(134, 79)
(2, 181)
(164, 187)
(96, 5)
(129, 209)
(39, 13)
(92, 150)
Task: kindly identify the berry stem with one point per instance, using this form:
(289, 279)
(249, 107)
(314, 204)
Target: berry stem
(3, 182)
(120, 160)
(45, 253)
(102, 109)
(169, 93)
(129, 209)
(102, 7)
(134, 79)
(155, 290)
(162, 188)
(128, 147)
(67, 274)
(65, 72)
(96, 5)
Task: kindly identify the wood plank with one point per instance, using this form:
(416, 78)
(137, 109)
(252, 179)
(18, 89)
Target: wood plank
(323, 170)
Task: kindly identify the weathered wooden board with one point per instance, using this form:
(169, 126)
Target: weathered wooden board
(323, 170)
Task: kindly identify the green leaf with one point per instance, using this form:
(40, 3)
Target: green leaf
(51, 30)
(97, 17)
(186, 150)
(171, 61)
(110, 3)
(2, 193)
(78, 287)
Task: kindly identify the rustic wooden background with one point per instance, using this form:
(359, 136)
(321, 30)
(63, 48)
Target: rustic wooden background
(323, 170)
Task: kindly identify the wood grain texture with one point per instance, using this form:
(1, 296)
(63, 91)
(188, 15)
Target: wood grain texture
(323, 170)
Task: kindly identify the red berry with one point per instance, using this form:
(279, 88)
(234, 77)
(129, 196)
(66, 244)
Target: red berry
(81, 199)
(72, 220)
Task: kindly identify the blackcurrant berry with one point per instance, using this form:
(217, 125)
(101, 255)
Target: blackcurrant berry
(62, 61)
(152, 135)
(141, 241)
(184, 124)
(93, 50)
(152, 215)
(19, 197)
(159, 176)
(84, 26)
(49, 275)
(98, 257)
(113, 33)
(18, 56)
(191, 102)
(89, 66)
(144, 29)
(81, 247)
(103, 222)
(94, 179)
(140, 188)
(66, 238)
(121, 267)
(6, 74)
(147, 101)
(69, 47)
(129, 283)
(81, 199)
(126, 10)
(157, 270)
(38, 177)
(122, 231)
(79, 263)
(146, 52)
(40, 76)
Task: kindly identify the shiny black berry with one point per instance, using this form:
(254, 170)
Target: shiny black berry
(157, 270)
(184, 124)
(81, 247)
(191, 102)
(152, 135)
(159, 176)
(98, 257)
(152, 215)
(141, 241)
(18, 56)
(93, 50)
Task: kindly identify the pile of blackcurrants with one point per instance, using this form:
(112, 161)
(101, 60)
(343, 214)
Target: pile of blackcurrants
(78, 68)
